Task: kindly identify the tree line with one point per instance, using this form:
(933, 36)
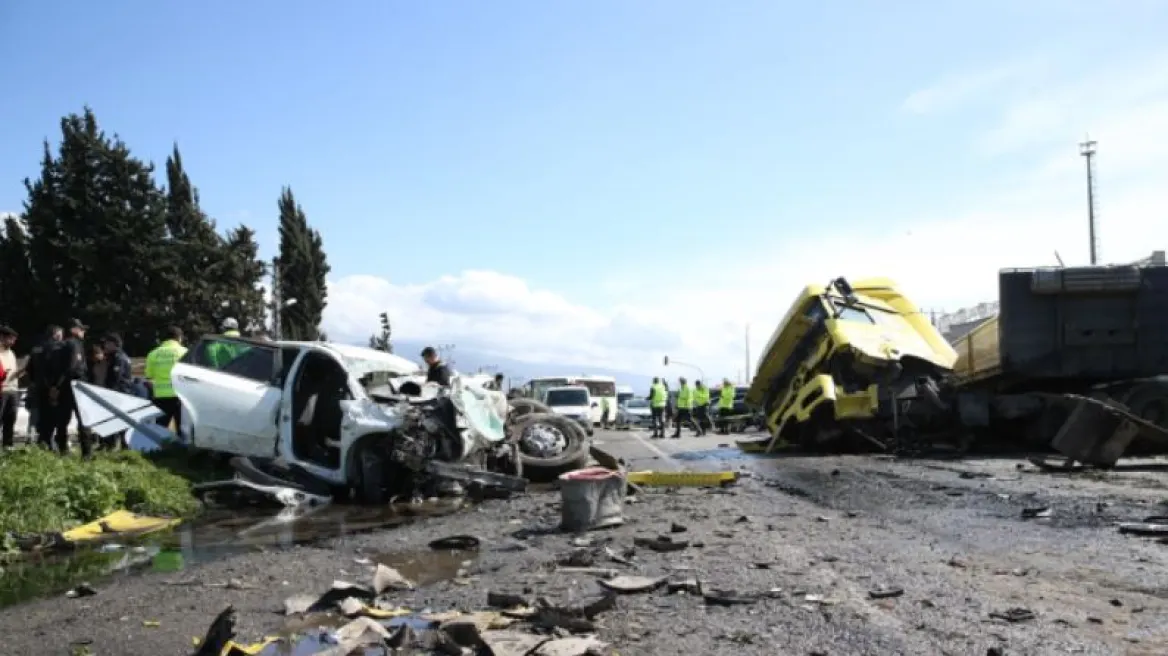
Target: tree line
(101, 240)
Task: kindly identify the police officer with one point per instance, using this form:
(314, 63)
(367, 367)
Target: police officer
(68, 365)
(725, 406)
(159, 363)
(657, 400)
(219, 353)
(702, 406)
(685, 403)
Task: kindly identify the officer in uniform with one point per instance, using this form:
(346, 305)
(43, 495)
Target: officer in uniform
(702, 406)
(725, 405)
(159, 363)
(685, 403)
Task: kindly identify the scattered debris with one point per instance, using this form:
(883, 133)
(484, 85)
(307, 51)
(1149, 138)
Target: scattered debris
(885, 593)
(682, 479)
(1036, 513)
(1150, 527)
(689, 586)
(82, 590)
(728, 598)
(660, 544)
(677, 528)
(456, 543)
(632, 584)
(591, 498)
(505, 600)
(1013, 615)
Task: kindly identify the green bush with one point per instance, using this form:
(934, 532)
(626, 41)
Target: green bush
(41, 491)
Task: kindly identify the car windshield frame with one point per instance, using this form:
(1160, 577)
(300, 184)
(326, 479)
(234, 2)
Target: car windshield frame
(568, 398)
(636, 403)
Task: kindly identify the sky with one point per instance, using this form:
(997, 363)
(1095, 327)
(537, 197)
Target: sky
(609, 181)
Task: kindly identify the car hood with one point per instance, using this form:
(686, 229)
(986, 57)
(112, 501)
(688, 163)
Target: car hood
(635, 411)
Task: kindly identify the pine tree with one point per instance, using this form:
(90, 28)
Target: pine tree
(383, 340)
(97, 237)
(243, 274)
(197, 255)
(16, 281)
(303, 272)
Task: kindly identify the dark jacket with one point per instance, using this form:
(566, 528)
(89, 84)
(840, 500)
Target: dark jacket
(438, 373)
(118, 376)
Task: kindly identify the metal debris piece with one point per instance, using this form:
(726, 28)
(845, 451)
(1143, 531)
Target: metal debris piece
(728, 598)
(687, 586)
(632, 584)
(661, 544)
(456, 543)
(1036, 513)
(1013, 615)
(885, 593)
(505, 600)
(387, 578)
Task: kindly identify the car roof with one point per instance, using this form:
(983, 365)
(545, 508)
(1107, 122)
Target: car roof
(391, 363)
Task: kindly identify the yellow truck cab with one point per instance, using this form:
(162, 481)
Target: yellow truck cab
(842, 355)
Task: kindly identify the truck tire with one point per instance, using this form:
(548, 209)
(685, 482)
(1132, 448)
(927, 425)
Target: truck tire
(524, 407)
(574, 456)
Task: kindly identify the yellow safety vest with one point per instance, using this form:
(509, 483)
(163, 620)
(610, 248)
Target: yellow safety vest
(657, 396)
(702, 396)
(726, 397)
(159, 362)
(685, 398)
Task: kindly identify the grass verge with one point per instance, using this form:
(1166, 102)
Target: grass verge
(42, 492)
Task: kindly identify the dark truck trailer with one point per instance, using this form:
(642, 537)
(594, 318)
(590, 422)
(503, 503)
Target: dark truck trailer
(1063, 335)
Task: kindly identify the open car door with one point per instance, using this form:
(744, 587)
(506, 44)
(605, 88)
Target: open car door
(231, 395)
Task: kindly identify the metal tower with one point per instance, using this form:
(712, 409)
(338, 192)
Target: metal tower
(1087, 150)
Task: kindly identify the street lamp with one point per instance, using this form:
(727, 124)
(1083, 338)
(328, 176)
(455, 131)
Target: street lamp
(666, 361)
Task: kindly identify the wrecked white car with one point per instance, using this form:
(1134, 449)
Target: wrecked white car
(354, 418)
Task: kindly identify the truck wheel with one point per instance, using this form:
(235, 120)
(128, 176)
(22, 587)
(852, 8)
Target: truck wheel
(372, 477)
(550, 445)
(524, 407)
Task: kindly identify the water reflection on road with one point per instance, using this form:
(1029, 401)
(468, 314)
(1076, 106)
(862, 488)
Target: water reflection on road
(216, 534)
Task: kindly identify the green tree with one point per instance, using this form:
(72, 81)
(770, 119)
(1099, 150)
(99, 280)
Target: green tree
(197, 254)
(16, 281)
(383, 340)
(215, 276)
(303, 273)
(97, 236)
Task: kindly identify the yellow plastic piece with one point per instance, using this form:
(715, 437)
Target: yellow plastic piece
(118, 523)
(384, 614)
(681, 479)
(753, 446)
(233, 648)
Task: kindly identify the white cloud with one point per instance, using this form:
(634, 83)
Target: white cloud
(956, 89)
(944, 259)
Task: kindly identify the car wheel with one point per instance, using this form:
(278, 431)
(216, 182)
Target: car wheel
(372, 477)
(550, 445)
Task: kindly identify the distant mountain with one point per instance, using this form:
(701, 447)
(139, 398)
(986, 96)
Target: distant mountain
(470, 361)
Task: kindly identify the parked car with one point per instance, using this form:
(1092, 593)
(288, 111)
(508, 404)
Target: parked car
(572, 402)
(634, 413)
(344, 416)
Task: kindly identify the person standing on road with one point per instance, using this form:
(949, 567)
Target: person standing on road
(436, 370)
(725, 406)
(684, 416)
(159, 363)
(9, 386)
(604, 410)
(657, 397)
(702, 406)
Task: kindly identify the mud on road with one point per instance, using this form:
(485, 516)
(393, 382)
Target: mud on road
(822, 545)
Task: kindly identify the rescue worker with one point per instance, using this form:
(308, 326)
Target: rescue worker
(725, 406)
(702, 406)
(436, 371)
(604, 410)
(219, 353)
(684, 415)
(499, 382)
(657, 398)
(9, 386)
(67, 365)
(159, 363)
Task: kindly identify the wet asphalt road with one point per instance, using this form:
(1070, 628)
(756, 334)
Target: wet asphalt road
(815, 536)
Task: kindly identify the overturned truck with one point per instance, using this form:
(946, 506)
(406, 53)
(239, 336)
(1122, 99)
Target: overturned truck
(1074, 360)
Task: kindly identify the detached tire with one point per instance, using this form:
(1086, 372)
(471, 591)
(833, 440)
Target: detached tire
(574, 456)
(524, 407)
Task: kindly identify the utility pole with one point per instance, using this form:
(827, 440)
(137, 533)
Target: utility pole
(276, 300)
(1087, 150)
(747, 355)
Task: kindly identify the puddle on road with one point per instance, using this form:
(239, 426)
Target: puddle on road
(425, 566)
(216, 534)
(724, 453)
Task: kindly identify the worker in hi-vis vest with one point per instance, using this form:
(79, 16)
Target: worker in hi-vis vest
(218, 353)
(657, 398)
(701, 411)
(159, 363)
(685, 403)
(725, 405)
